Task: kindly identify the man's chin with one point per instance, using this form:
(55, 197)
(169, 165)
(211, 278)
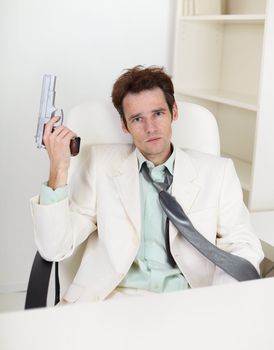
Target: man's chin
(152, 151)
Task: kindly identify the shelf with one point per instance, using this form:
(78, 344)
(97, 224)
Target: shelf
(223, 60)
(243, 170)
(237, 19)
(220, 96)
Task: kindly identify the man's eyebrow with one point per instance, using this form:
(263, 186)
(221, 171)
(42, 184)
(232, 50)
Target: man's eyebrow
(161, 109)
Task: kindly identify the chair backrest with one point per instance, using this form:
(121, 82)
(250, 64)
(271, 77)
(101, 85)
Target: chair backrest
(97, 122)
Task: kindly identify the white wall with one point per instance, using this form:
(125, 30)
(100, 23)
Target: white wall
(86, 43)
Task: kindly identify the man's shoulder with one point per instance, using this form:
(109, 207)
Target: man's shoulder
(100, 158)
(110, 154)
(208, 168)
(113, 148)
(202, 156)
(205, 160)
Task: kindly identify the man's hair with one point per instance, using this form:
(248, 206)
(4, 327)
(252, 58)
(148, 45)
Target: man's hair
(138, 79)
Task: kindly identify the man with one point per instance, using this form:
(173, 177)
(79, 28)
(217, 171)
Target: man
(113, 206)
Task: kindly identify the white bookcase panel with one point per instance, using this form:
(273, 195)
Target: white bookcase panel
(236, 19)
(237, 130)
(226, 97)
(220, 55)
(243, 170)
(201, 67)
(245, 6)
(241, 58)
(221, 7)
(223, 60)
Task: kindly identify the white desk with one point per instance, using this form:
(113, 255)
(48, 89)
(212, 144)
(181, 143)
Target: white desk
(238, 316)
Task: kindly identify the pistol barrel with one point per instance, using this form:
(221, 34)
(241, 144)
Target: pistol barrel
(46, 106)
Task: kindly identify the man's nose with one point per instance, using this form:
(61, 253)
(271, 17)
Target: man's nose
(149, 126)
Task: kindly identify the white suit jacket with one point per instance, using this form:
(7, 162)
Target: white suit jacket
(104, 209)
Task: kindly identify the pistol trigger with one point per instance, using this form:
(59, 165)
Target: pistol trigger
(58, 113)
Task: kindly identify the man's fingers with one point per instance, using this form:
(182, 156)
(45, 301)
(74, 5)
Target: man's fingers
(61, 131)
(57, 131)
(61, 135)
(64, 135)
(50, 124)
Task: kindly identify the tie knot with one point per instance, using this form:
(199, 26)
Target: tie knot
(160, 186)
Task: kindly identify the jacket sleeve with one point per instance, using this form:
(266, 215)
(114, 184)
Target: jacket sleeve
(60, 227)
(235, 233)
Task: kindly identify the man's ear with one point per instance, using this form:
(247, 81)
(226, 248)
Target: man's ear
(123, 126)
(175, 113)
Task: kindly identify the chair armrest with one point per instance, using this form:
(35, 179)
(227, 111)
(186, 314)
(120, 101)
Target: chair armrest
(38, 284)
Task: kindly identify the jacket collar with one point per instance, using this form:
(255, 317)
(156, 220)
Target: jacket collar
(126, 179)
(185, 185)
(185, 188)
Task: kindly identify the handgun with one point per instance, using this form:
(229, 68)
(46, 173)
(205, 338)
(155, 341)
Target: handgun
(48, 110)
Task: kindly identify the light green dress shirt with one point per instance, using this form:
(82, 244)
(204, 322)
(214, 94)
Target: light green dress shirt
(150, 269)
(49, 196)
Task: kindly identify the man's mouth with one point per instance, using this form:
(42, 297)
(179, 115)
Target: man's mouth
(153, 139)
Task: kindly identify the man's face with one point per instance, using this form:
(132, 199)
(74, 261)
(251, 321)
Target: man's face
(149, 123)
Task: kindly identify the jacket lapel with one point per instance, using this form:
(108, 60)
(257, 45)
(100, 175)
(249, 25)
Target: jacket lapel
(126, 180)
(185, 189)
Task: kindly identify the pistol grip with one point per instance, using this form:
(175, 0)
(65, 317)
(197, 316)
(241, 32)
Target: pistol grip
(75, 146)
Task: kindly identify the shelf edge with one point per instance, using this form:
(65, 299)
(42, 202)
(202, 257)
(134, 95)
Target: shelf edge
(218, 99)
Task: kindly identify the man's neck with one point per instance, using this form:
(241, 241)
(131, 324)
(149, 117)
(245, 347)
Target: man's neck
(158, 159)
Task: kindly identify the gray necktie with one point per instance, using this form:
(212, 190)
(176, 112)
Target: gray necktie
(165, 186)
(235, 266)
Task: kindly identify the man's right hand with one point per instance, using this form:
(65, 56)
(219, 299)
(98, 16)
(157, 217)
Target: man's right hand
(57, 143)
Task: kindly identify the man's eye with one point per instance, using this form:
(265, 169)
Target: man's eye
(136, 120)
(158, 114)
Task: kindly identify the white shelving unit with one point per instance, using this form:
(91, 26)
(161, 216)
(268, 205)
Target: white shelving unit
(263, 223)
(224, 60)
(240, 19)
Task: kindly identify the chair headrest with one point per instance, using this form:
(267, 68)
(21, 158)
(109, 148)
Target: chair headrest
(97, 122)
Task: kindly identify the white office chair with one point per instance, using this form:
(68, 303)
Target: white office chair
(97, 122)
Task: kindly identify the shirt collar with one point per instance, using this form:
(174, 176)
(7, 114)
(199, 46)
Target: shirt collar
(169, 163)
